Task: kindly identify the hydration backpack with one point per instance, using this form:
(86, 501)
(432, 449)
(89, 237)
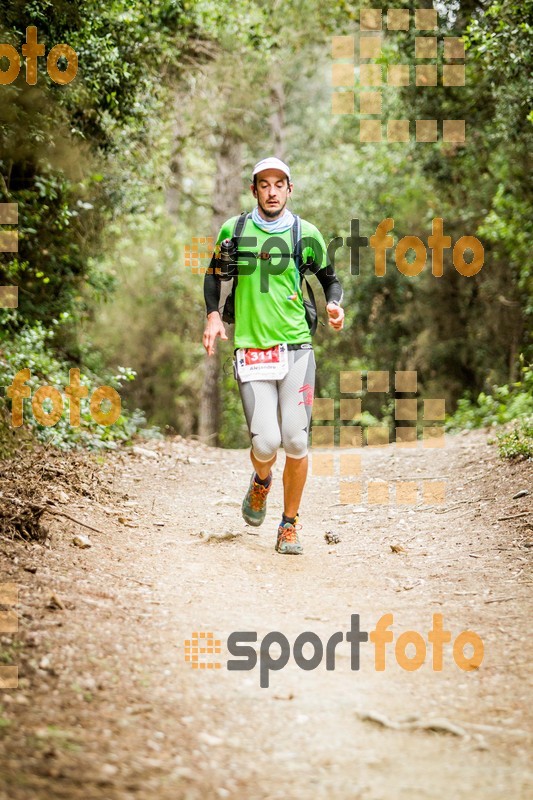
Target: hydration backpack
(311, 313)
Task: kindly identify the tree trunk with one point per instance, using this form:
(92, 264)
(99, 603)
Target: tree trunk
(175, 187)
(277, 118)
(226, 194)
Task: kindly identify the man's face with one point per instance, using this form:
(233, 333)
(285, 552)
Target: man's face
(271, 193)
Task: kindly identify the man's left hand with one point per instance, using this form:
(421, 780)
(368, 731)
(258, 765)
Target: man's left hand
(336, 316)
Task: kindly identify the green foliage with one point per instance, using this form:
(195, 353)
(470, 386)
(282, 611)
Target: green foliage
(30, 348)
(517, 444)
(503, 404)
(154, 322)
(81, 159)
(477, 325)
(72, 156)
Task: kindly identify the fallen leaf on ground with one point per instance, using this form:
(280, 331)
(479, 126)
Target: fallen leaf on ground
(397, 548)
(54, 602)
(81, 541)
(127, 522)
(220, 537)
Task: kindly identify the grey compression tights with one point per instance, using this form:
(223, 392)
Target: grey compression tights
(280, 411)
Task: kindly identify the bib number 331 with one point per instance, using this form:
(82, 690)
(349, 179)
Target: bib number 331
(254, 364)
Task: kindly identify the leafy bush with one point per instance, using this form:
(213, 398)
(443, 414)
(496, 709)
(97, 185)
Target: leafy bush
(31, 348)
(517, 443)
(503, 405)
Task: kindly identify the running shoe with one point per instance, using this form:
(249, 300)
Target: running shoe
(254, 503)
(288, 541)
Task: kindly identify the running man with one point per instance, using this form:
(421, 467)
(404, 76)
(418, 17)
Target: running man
(274, 358)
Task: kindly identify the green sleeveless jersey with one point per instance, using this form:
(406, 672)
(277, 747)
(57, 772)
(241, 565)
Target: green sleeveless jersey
(264, 313)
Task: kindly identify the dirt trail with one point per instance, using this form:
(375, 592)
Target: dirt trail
(108, 708)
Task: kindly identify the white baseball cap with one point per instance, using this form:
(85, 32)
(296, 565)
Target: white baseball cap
(271, 163)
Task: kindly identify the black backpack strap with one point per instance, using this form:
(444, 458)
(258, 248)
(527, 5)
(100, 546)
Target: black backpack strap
(242, 219)
(228, 313)
(296, 233)
(240, 225)
(310, 292)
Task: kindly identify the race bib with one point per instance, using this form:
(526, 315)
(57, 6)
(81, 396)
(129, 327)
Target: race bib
(262, 365)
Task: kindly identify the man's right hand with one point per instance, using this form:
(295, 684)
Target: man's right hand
(214, 328)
